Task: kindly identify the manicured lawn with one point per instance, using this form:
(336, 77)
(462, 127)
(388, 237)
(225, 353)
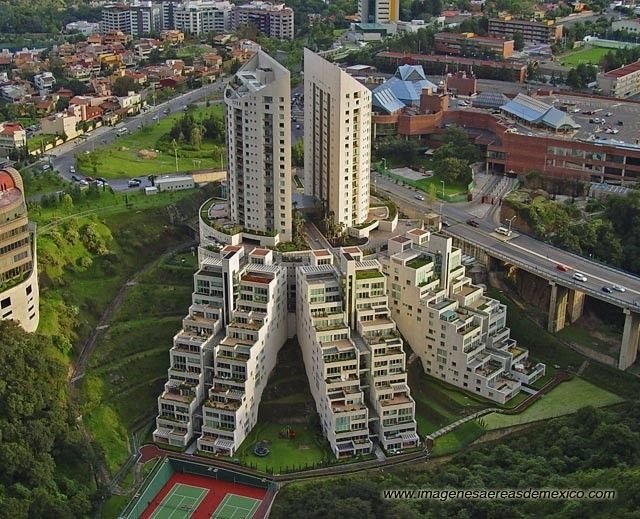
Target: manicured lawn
(285, 454)
(591, 55)
(565, 399)
(35, 142)
(457, 439)
(123, 157)
(430, 185)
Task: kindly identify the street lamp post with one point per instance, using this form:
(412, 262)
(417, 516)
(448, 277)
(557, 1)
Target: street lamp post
(510, 220)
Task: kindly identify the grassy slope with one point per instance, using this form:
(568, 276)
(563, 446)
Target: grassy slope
(567, 398)
(129, 367)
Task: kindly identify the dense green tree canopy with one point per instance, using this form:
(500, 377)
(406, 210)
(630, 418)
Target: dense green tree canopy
(594, 449)
(41, 449)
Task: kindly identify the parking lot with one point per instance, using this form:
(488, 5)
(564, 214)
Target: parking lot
(624, 112)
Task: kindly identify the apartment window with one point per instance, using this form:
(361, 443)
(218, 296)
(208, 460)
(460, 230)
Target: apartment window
(5, 302)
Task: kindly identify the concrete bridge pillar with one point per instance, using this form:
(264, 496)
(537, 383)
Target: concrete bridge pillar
(575, 305)
(557, 307)
(629, 347)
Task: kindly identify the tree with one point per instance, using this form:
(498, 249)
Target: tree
(452, 170)
(518, 41)
(297, 153)
(37, 432)
(123, 85)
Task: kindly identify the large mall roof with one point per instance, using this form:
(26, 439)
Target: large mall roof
(404, 89)
(534, 111)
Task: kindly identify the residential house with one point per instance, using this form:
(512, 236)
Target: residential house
(12, 137)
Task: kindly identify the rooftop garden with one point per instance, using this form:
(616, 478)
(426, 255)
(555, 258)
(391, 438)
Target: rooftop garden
(418, 262)
(368, 274)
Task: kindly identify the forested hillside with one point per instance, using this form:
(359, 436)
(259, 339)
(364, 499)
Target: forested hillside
(593, 449)
(46, 464)
(42, 16)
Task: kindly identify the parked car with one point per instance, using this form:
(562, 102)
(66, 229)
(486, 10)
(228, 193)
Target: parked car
(134, 182)
(83, 182)
(419, 197)
(88, 179)
(101, 179)
(72, 169)
(579, 276)
(445, 223)
(75, 178)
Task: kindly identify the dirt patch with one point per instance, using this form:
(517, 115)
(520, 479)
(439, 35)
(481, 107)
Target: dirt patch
(147, 154)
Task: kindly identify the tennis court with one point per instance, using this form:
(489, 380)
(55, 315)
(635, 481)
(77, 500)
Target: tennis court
(180, 503)
(236, 507)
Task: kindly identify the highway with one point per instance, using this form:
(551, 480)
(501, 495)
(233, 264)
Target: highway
(524, 251)
(62, 157)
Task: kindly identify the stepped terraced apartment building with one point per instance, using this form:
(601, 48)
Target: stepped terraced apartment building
(459, 333)
(247, 302)
(19, 294)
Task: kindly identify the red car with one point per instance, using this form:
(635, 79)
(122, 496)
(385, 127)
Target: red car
(562, 268)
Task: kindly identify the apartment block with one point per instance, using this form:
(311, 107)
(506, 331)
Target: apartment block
(274, 20)
(458, 332)
(337, 146)
(258, 120)
(198, 16)
(621, 82)
(546, 31)
(246, 355)
(136, 19)
(379, 11)
(471, 45)
(19, 294)
(353, 355)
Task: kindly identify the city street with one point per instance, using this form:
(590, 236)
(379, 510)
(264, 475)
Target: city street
(62, 157)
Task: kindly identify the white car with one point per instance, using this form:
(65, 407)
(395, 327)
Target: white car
(579, 276)
(420, 197)
(618, 288)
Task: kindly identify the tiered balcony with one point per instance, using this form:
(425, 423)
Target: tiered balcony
(400, 395)
(224, 401)
(490, 369)
(392, 347)
(178, 391)
(527, 372)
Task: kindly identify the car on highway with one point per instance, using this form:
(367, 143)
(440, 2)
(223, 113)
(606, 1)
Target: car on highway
(618, 288)
(579, 276)
(420, 197)
(607, 290)
(473, 223)
(445, 223)
(562, 268)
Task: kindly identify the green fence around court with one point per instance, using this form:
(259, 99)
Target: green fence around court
(190, 467)
(151, 486)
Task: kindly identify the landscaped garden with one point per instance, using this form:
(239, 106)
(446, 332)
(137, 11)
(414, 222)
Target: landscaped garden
(149, 151)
